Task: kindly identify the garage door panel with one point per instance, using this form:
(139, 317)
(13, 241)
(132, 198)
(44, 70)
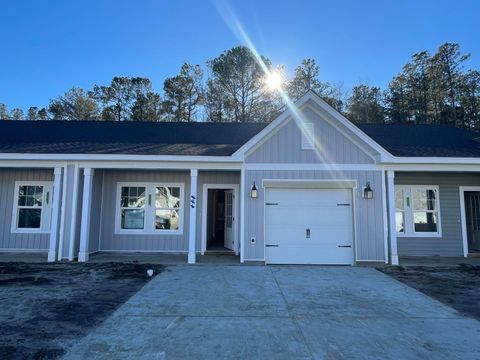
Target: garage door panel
(327, 213)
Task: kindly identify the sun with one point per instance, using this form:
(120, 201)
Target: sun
(274, 81)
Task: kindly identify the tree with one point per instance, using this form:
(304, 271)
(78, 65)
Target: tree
(470, 99)
(119, 98)
(365, 104)
(17, 114)
(238, 75)
(147, 107)
(75, 104)
(396, 100)
(306, 77)
(42, 114)
(184, 93)
(4, 114)
(32, 113)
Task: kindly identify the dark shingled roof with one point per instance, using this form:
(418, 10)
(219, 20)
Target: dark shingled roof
(126, 137)
(424, 140)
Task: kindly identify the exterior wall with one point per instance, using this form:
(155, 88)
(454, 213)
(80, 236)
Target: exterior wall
(96, 212)
(110, 241)
(214, 177)
(8, 240)
(369, 215)
(68, 221)
(285, 146)
(451, 243)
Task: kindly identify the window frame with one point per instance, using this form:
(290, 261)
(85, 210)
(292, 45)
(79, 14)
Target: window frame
(46, 208)
(150, 209)
(409, 211)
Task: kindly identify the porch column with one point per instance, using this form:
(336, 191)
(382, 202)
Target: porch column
(86, 206)
(193, 215)
(391, 217)
(57, 185)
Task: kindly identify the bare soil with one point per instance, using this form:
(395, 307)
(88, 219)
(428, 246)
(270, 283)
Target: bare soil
(44, 308)
(456, 286)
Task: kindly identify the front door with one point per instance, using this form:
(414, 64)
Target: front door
(229, 219)
(472, 212)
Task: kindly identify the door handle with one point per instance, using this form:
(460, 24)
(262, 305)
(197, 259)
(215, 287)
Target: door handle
(345, 246)
(307, 233)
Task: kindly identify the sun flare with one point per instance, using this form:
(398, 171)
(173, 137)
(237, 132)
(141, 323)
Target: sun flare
(274, 81)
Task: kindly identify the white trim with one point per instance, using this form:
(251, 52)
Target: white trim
(73, 223)
(192, 234)
(463, 216)
(319, 167)
(206, 187)
(63, 212)
(45, 215)
(149, 210)
(83, 253)
(18, 250)
(385, 216)
(55, 221)
(391, 216)
(242, 216)
(183, 252)
(408, 219)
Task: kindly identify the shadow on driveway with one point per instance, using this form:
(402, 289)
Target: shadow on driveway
(44, 308)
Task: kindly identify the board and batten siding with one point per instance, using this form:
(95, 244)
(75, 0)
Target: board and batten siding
(370, 227)
(109, 241)
(332, 146)
(19, 241)
(451, 242)
(96, 211)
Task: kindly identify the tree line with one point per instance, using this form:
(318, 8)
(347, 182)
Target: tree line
(431, 88)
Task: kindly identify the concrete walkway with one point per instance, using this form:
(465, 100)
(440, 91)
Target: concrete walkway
(290, 312)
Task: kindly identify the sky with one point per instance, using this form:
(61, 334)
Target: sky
(50, 46)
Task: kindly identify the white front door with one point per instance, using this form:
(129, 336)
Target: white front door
(309, 226)
(229, 219)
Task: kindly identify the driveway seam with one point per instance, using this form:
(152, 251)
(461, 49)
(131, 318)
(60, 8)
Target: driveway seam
(304, 339)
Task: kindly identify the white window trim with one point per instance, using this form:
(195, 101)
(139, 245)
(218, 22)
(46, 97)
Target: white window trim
(308, 143)
(408, 218)
(46, 208)
(149, 217)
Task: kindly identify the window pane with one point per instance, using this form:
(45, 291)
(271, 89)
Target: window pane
(166, 220)
(399, 221)
(425, 221)
(22, 200)
(399, 199)
(132, 196)
(424, 199)
(29, 218)
(132, 219)
(167, 197)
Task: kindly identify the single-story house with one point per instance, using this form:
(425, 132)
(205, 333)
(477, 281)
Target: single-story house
(308, 188)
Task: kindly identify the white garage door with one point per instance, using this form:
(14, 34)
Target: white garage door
(309, 226)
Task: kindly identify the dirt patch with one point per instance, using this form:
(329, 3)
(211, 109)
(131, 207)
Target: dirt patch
(44, 308)
(456, 286)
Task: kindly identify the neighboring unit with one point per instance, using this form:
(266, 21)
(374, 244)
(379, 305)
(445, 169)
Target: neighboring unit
(308, 188)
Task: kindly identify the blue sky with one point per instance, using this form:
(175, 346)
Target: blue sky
(47, 47)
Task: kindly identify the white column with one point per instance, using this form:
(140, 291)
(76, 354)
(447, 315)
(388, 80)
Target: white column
(86, 207)
(57, 185)
(193, 215)
(391, 217)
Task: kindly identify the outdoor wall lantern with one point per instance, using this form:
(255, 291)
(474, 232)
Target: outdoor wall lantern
(254, 191)
(367, 192)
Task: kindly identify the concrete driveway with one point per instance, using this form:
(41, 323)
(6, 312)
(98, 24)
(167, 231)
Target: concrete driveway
(281, 312)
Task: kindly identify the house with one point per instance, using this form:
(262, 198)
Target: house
(308, 188)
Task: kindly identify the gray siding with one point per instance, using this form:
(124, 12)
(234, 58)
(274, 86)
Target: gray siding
(214, 177)
(68, 211)
(451, 243)
(285, 146)
(9, 241)
(370, 225)
(110, 241)
(96, 211)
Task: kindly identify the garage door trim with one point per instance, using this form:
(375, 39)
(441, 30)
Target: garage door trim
(312, 184)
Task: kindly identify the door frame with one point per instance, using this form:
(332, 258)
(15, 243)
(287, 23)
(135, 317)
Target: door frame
(204, 215)
(463, 216)
(349, 184)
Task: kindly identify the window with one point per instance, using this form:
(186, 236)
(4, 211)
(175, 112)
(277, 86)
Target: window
(137, 213)
(417, 211)
(32, 207)
(308, 136)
